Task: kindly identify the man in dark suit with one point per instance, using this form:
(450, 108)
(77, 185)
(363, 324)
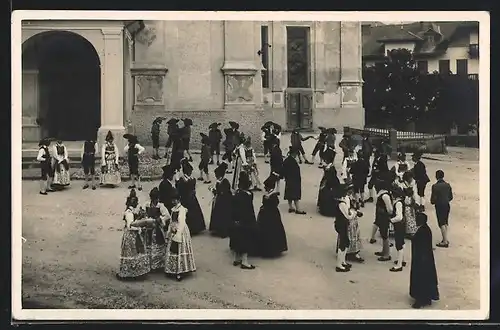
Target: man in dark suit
(167, 187)
(441, 196)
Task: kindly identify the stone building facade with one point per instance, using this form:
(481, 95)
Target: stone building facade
(83, 78)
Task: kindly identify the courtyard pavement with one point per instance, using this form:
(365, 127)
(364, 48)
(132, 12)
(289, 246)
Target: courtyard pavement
(73, 238)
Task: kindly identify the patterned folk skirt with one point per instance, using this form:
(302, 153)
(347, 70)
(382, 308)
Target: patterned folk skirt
(134, 261)
(61, 176)
(180, 260)
(354, 238)
(155, 247)
(110, 173)
(409, 218)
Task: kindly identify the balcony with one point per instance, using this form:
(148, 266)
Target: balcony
(474, 50)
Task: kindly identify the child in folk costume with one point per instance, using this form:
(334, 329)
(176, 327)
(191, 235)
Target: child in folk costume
(397, 219)
(155, 136)
(328, 184)
(110, 156)
(186, 136)
(215, 137)
(402, 166)
(354, 249)
(171, 131)
(379, 166)
(155, 235)
(179, 258)
(276, 161)
(186, 186)
(383, 213)
(320, 146)
(60, 164)
(410, 196)
(204, 159)
(249, 163)
(343, 215)
(293, 184)
(221, 215)
(238, 156)
(272, 237)
(244, 228)
(296, 144)
(47, 174)
(89, 152)
(133, 149)
(134, 260)
(359, 171)
(421, 178)
(347, 163)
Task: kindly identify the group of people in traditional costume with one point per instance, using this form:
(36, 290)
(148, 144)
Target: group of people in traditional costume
(158, 234)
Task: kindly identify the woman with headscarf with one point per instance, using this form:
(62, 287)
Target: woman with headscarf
(272, 237)
(186, 186)
(423, 274)
(179, 258)
(293, 182)
(243, 234)
(329, 182)
(276, 161)
(155, 235)
(134, 260)
(110, 156)
(221, 215)
(47, 174)
(60, 164)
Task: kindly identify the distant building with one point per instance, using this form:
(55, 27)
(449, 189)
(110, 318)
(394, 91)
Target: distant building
(436, 46)
(83, 78)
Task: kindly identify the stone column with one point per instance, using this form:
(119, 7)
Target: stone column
(240, 66)
(351, 74)
(319, 63)
(350, 64)
(129, 95)
(279, 63)
(112, 86)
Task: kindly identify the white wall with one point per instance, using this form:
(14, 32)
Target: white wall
(453, 54)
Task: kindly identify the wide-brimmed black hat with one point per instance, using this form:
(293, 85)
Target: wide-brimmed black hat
(186, 166)
(168, 171)
(321, 128)
(204, 138)
(268, 124)
(234, 124)
(214, 125)
(154, 193)
(270, 182)
(109, 136)
(131, 138)
(159, 119)
(220, 170)
(228, 131)
(417, 154)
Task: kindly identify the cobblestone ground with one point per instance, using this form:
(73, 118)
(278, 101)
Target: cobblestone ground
(73, 241)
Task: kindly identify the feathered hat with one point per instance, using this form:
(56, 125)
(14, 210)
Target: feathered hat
(110, 137)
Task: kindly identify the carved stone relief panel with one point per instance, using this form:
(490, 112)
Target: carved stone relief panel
(239, 88)
(350, 95)
(147, 36)
(150, 89)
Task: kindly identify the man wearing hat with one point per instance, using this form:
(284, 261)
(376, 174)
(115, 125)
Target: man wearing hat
(320, 146)
(366, 147)
(205, 158)
(89, 152)
(186, 136)
(45, 166)
(421, 177)
(155, 136)
(230, 143)
(215, 137)
(343, 215)
(383, 213)
(345, 144)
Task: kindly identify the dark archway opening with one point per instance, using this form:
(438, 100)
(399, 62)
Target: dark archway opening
(69, 84)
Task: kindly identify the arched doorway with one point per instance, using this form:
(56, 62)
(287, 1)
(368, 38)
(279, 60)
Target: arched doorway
(65, 69)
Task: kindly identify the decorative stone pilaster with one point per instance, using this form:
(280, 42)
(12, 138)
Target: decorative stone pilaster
(351, 65)
(241, 64)
(149, 84)
(112, 99)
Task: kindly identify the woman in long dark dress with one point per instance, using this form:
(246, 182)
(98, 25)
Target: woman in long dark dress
(293, 182)
(187, 191)
(328, 184)
(423, 274)
(272, 236)
(243, 234)
(221, 216)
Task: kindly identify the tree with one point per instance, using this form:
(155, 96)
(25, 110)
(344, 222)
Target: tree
(396, 92)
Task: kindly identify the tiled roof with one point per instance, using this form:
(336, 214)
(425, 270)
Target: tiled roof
(373, 42)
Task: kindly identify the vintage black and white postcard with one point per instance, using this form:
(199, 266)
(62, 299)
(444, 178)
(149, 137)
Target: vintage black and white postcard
(250, 165)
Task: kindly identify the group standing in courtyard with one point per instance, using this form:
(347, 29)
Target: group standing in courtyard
(158, 234)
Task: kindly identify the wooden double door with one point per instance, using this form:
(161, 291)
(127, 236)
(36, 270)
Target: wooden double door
(299, 104)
